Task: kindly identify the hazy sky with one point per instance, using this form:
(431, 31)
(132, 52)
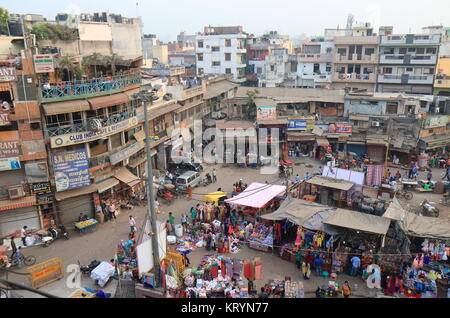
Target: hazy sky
(167, 18)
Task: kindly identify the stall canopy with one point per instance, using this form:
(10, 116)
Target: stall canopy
(322, 142)
(71, 106)
(124, 175)
(344, 174)
(331, 183)
(359, 221)
(257, 195)
(416, 225)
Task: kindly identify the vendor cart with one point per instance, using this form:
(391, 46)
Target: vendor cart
(85, 226)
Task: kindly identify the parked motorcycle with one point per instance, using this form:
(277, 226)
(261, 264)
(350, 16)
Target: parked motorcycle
(54, 234)
(87, 269)
(165, 195)
(207, 180)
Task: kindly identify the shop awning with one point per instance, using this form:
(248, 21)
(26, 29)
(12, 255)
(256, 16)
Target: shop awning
(360, 118)
(107, 184)
(71, 106)
(359, 221)
(257, 195)
(265, 102)
(376, 141)
(18, 203)
(436, 141)
(416, 225)
(124, 175)
(322, 142)
(273, 122)
(155, 112)
(60, 196)
(331, 183)
(140, 135)
(107, 101)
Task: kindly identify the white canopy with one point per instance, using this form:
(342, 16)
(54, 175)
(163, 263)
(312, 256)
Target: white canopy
(257, 195)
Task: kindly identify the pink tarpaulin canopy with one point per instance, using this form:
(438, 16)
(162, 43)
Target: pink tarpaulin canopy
(257, 195)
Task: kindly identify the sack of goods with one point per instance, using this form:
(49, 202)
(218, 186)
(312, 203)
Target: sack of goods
(171, 239)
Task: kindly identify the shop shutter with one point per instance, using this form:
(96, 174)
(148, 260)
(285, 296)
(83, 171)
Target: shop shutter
(69, 209)
(13, 220)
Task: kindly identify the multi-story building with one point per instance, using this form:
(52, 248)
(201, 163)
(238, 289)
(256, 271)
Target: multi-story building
(407, 63)
(155, 50)
(442, 81)
(315, 64)
(221, 50)
(276, 68)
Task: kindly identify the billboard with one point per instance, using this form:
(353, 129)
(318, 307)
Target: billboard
(266, 113)
(44, 63)
(9, 149)
(297, 125)
(340, 128)
(7, 74)
(71, 169)
(10, 163)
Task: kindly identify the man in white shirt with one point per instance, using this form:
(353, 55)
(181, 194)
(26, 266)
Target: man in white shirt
(23, 235)
(132, 223)
(157, 206)
(112, 211)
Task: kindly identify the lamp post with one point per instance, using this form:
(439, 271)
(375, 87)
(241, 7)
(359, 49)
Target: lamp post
(146, 98)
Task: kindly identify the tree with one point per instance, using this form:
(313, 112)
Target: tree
(113, 60)
(66, 63)
(251, 106)
(4, 17)
(95, 59)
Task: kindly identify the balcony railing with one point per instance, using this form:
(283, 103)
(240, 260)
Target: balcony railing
(356, 58)
(400, 59)
(77, 128)
(404, 39)
(399, 79)
(354, 77)
(87, 88)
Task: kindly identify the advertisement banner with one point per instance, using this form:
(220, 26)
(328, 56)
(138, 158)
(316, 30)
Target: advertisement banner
(433, 122)
(340, 128)
(4, 119)
(44, 63)
(126, 152)
(7, 74)
(9, 149)
(297, 125)
(71, 169)
(266, 113)
(83, 137)
(40, 188)
(9, 163)
(44, 199)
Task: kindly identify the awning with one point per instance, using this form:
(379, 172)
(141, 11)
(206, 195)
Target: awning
(360, 118)
(60, 196)
(265, 102)
(124, 175)
(322, 142)
(273, 122)
(331, 183)
(416, 225)
(107, 184)
(140, 136)
(107, 101)
(216, 89)
(162, 110)
(359, 221)
(257, 195)
(18, 203)
(377, 142)
(71, 106)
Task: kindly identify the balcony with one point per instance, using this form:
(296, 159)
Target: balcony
(353, 77)
(315, 58)
(442, 83)
(434, 39)
(405, 79)
(62, 91)
(408, 59)
(188, 90)
(68, 128)
(356, 58)
(356, 40)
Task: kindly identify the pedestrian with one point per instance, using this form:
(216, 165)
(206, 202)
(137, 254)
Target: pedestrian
(184, 222)
(214, 175)
(298, 258)
(127, 274)
(307, 177)
(112, 211)
(447, 174)
(189, 191)
(132, 224)
(356, 263)
(398, 175)
(158, 211)
(319, 171)
(297, 178)
(23, 235)
(169, 228)
(17, 256)
(171, 219)
(193, 214)
(13, 246)
(318, 264)
(429, 175)
(346, 290)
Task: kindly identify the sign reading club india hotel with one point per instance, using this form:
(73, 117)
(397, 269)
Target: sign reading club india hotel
(83, 137)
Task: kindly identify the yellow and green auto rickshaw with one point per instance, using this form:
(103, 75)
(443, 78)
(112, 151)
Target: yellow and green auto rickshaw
(216, 197)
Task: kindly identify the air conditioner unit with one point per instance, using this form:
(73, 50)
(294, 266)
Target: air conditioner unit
(375, 124)
(16, 192)
(94, 124)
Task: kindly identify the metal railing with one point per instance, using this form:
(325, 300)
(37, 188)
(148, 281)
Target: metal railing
(49, 91)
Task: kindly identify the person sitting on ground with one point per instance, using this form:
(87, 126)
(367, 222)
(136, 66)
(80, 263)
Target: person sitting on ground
(346, 290)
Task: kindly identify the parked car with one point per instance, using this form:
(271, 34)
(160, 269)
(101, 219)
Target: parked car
(189, 178)
(178, 169)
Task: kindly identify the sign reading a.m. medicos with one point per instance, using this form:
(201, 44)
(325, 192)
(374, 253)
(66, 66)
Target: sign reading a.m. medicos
(44, 63)
(88, 136)
(71, 169)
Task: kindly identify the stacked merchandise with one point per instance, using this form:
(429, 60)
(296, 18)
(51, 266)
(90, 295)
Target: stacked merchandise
(288, 248)
(126, 256)
(340, 259)
(420, 284)
(262, 234)
(275, 288)
(294, 290)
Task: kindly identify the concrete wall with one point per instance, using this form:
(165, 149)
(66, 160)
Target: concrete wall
(90, 47)
(71, 48)
(362, 109)
(127, 40)
(94, 31)
(161, 52)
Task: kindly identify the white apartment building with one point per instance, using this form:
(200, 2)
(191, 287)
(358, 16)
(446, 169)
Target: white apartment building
(221, 50)
(276, 68)
(315, 64)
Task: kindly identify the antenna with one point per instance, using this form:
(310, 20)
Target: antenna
(350, 20)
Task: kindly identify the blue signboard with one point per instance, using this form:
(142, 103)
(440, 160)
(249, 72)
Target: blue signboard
(297, 124)
(71, 169)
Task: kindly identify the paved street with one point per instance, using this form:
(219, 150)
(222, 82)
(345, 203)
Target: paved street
(101, 244)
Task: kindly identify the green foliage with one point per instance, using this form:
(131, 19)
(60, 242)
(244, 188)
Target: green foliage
(54, 32)
(4, 16)
(251, 107)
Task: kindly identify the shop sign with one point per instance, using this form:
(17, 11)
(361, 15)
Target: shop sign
(297, 125)
(71, 169)
(438, 121)
(9, 149)
(4, 119)
(44, 199)
(7, 74)
(266, 113)
(126, 152)
(323, 127)
(40, 188)
(340, 128)
(44, 63)
(83, 137)
(11, 163)
(300, 138)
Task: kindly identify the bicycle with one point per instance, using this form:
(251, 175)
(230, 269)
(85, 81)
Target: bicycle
(27, 260)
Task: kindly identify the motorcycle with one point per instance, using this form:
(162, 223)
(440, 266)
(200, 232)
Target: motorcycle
(207, 181)
(165, 195)
(87, 269)
(52, 234)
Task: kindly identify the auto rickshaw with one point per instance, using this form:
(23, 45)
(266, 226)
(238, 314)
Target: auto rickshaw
(216, 197)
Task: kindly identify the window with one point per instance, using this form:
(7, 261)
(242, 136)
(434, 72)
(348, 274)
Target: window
(116, 141)
(316, 68)
(35, 126)
(159, 125)
(200, 44)
(429, 71)
(369, 51)
(200, 56)
(387, 70)
(258, 70)
(272, 68)
(216, 63)
(368, 70)
(391, 108)
(388, 51)
(342, 51)
(409, 69)
(227, 56)
(420, 50)
(329, 50)
(412, 49)
(431, 50)
(200, 71)
(402, 50)
(228, 42)
(328, 68)
(228, 71)
(215, 48)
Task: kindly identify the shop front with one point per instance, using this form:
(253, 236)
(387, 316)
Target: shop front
(15, 214)
(300, 144)
(376, 149)
(73, 202)
(330, 191)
